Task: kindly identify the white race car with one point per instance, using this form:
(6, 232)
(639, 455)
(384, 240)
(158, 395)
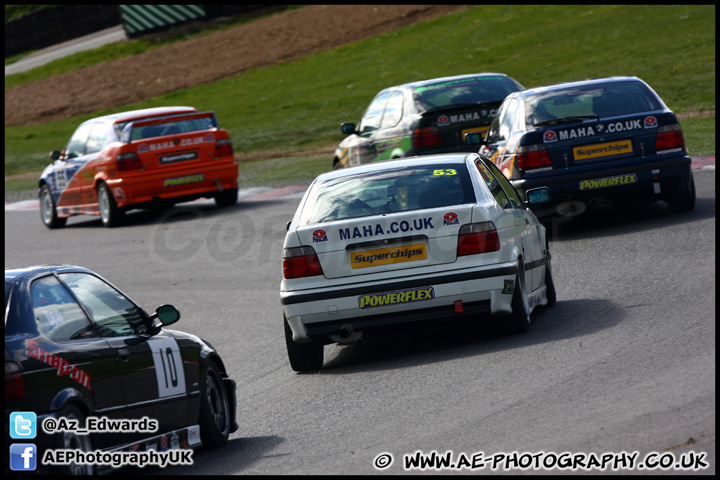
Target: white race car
(406, 241)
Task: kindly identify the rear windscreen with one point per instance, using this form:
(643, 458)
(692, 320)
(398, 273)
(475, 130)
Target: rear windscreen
(602, 100)
(465, 91)
(387, 191)
(171, 128)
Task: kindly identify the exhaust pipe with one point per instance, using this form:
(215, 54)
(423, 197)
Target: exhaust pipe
(346, 334)
(345, 331)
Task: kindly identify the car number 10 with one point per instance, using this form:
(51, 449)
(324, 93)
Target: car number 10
(168, 366)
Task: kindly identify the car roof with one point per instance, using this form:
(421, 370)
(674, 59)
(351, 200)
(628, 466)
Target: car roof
(26, 273)
(146, 112)
(529, 92)
(432, 81)
(409, 162)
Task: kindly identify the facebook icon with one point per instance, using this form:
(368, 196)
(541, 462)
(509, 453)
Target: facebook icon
(23, 456)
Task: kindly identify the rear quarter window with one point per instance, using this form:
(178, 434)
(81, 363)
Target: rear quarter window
(57, 314)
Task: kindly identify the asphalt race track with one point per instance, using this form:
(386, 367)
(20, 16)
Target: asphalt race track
(622, 365)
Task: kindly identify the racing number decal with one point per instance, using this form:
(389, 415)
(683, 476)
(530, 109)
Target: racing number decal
(168, 366)
(448, 171)
(169, 371)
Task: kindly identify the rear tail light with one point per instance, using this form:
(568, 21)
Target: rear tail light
(427, 137)
(223, 147)
(533, 156)
(669, 136)
(14, 382)
(128, 161)
(300, 262)
(477, 238)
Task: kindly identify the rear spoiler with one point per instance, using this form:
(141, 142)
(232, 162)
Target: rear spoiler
(127, 134)
(172, 118)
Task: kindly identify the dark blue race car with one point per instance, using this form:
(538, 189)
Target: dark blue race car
(593, 143)
(76, 347)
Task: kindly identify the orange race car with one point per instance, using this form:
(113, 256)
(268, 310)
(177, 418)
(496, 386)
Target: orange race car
(138, 159)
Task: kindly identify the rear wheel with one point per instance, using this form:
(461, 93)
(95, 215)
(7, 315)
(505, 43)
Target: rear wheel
(70, 440)
(304, 357)
(519, 321)
(110, 214)
(683, 202)
(48, 211)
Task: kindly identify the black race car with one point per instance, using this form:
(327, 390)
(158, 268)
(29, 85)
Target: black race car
(78, 349)
(424, 118)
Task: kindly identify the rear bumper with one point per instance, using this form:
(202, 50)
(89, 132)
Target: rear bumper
(134, 191)
(318, 314)
(652, 181)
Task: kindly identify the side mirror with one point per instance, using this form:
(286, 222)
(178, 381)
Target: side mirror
(474, 138)
(348, 128)
(167, 314)
(287, 227)
(538, 196)
(54, 155)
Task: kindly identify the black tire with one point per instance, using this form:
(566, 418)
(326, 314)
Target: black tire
(683, 202)
(110, 214)
(551, 294)
(73, 441)
(214, 409)
(48, 210)
(519, 320)
(226, 198)
(304, 357)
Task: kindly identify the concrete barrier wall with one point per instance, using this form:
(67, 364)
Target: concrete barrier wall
(53, 25)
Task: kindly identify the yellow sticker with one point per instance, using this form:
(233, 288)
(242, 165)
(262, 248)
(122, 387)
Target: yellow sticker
(606, 182)
(397, 297)
(481, 130)
(389, 255)
(602, 150)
